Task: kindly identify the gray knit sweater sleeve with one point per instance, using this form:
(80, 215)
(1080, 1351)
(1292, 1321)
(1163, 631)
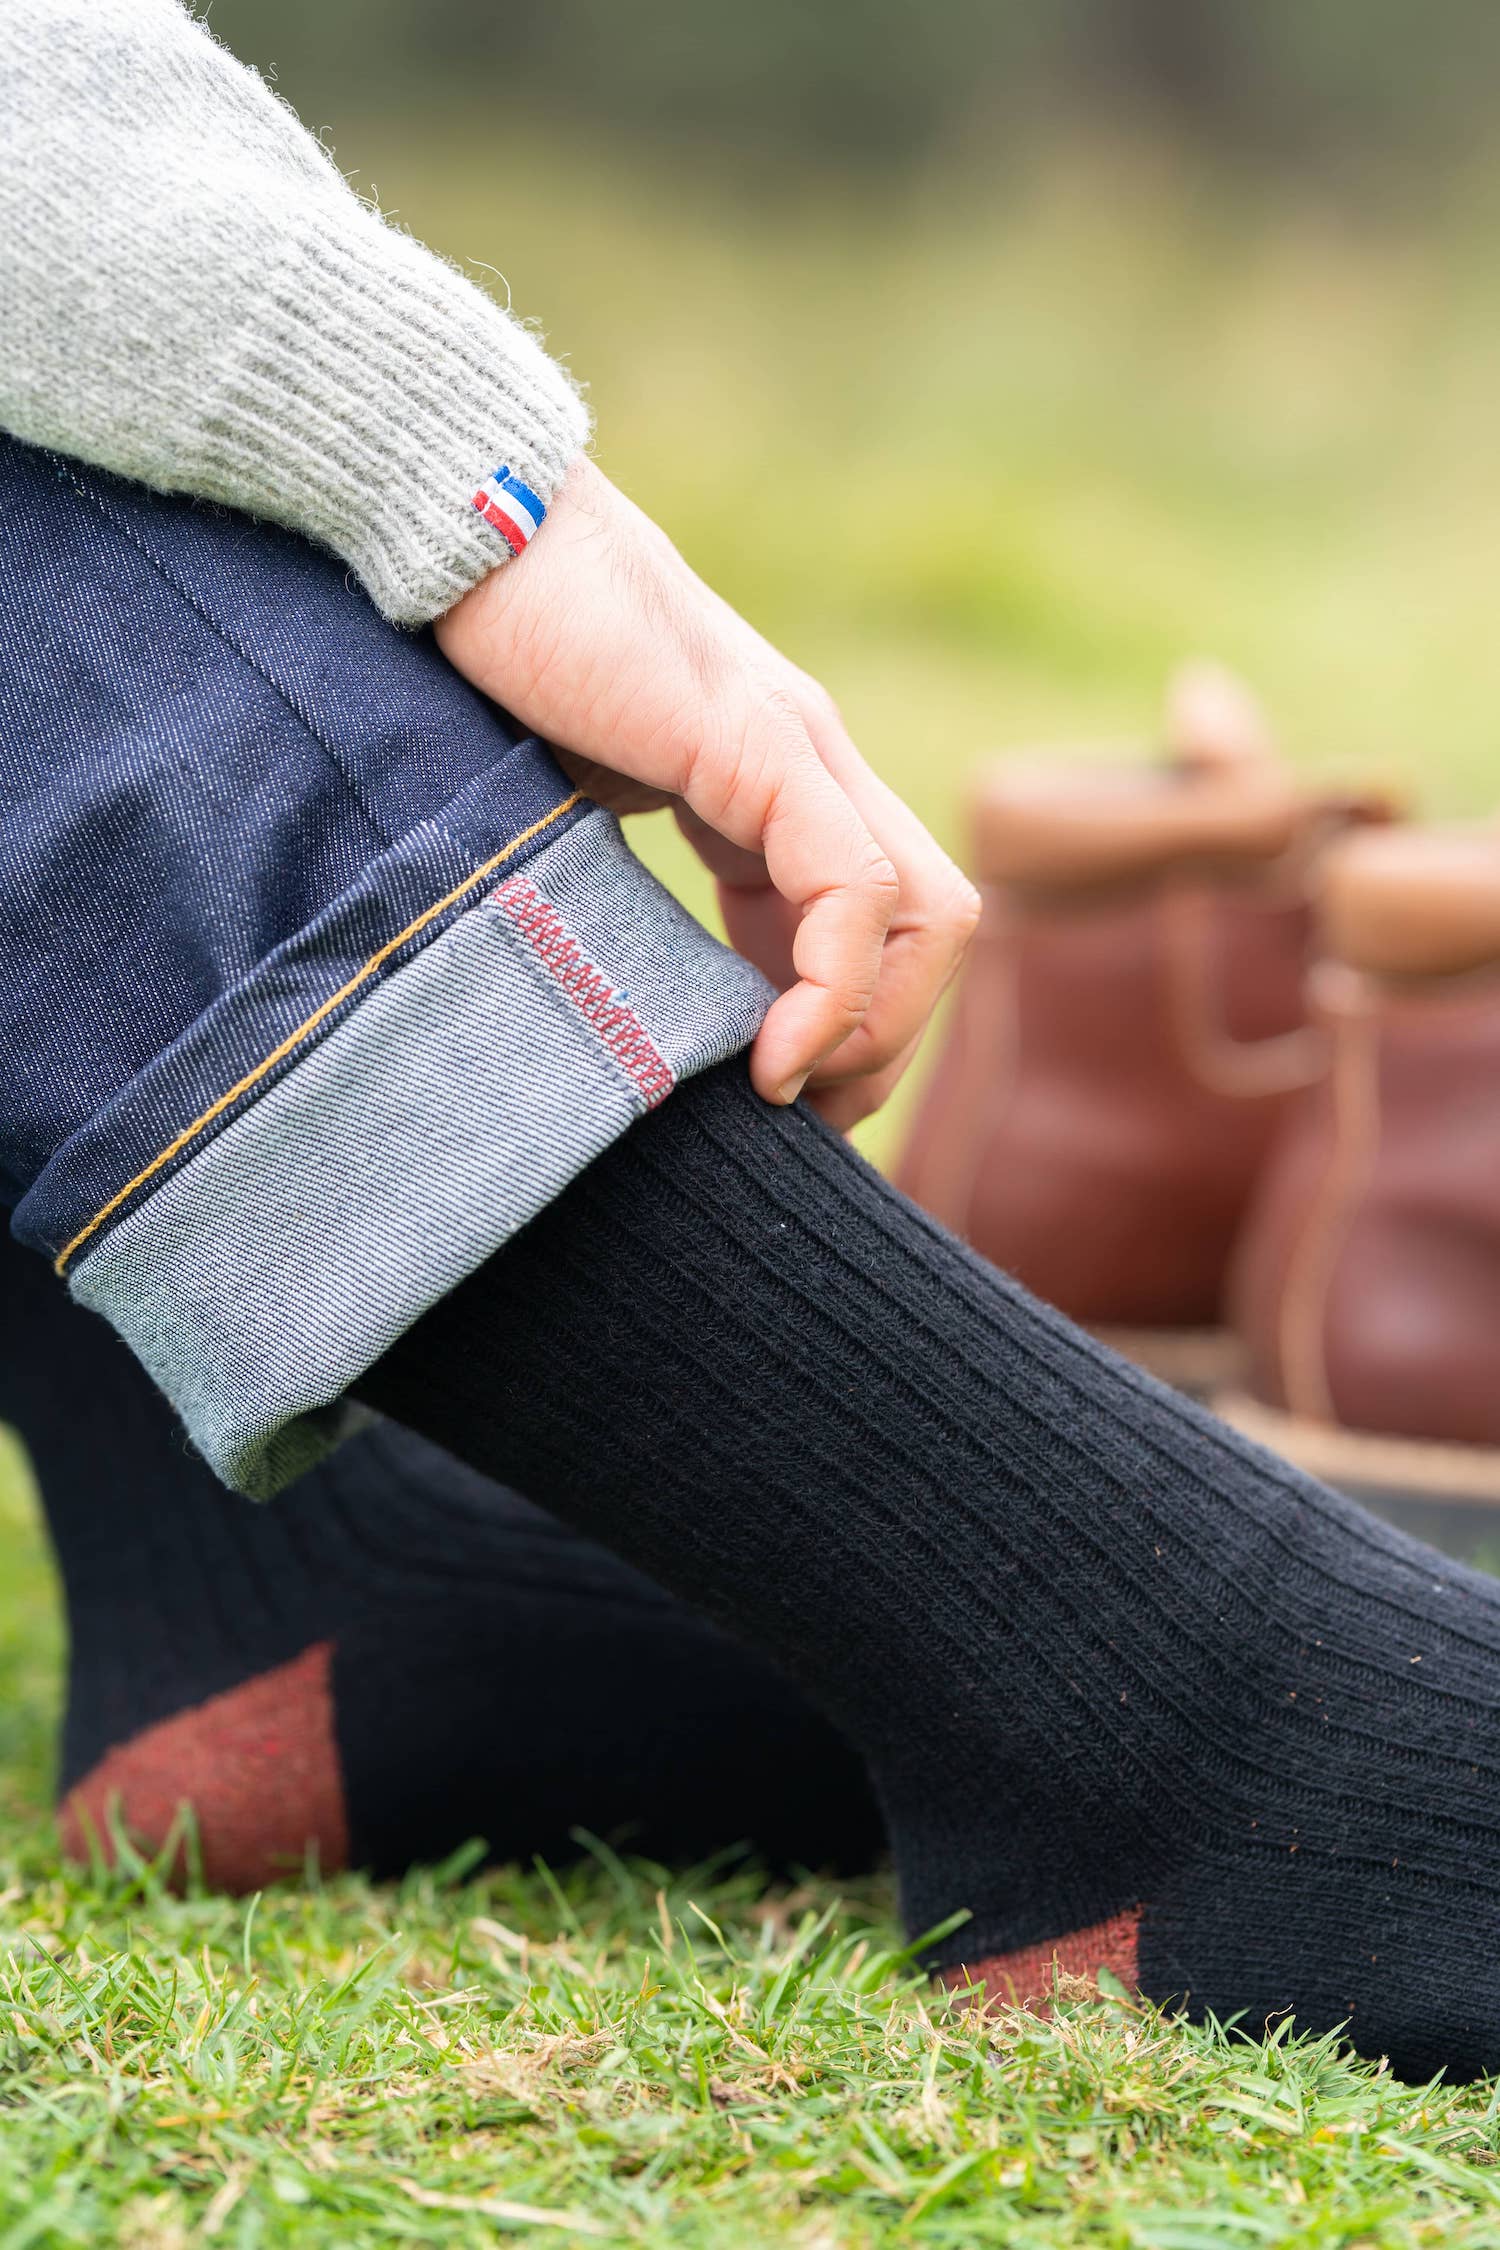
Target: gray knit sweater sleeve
(191, 295)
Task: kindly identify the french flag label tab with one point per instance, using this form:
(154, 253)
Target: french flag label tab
(512, 507)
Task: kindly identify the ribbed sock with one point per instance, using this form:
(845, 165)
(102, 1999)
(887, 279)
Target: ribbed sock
(394, 1658)
(1133, 1693)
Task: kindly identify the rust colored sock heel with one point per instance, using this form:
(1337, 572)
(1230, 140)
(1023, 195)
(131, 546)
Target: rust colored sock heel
(259, 1767)
(395, 1659)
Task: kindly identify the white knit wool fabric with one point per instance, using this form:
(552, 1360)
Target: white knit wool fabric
(191, 295)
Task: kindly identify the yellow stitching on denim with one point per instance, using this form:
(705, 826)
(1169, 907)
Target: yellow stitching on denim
(295, 1038)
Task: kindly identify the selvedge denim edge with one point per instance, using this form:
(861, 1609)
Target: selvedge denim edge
(262, 1277)
(263, 1023)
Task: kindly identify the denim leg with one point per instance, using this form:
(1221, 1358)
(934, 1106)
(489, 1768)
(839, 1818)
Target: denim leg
(317, 978)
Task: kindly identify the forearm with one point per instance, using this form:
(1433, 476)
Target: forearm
(192, 296)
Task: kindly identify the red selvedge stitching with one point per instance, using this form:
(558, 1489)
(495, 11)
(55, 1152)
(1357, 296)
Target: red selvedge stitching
(617, 1024)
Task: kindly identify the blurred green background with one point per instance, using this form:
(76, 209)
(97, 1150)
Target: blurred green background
(990, 357)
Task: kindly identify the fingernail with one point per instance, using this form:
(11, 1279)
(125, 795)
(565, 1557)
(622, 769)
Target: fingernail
(793, 1087)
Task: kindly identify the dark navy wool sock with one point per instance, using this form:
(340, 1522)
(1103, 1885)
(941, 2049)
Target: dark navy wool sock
(392, 1659)
(1133, 1692)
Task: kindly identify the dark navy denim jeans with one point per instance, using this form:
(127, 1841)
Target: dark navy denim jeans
(317, 978)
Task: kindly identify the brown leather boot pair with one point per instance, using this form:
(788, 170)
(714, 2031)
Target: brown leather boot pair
(1223, 1083)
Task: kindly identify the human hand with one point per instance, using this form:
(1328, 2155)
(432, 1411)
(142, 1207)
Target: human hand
(654, 692)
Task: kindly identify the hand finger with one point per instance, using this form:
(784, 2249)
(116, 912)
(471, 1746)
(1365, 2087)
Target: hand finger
(917, 966)
(730, 864)
(929, 933)
(766, 787)
(762, 925)
(845, 1106)
(923, 947)
(758, 922)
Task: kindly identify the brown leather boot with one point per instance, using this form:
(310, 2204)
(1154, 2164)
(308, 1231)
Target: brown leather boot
(1129, 1024)
(1367, 1287)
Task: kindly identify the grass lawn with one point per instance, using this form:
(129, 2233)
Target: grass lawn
(623, 2054)
(1137, 417)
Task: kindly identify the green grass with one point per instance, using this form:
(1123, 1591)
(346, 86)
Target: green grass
(1145, 416)
(626, 2054)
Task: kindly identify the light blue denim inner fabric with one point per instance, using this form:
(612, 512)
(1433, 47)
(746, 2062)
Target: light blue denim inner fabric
(450, 1107)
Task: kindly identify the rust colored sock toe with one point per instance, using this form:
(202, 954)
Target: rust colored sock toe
(1011, 1980)
(258, 1764)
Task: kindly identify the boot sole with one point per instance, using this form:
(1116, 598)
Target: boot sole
(1199, 1361)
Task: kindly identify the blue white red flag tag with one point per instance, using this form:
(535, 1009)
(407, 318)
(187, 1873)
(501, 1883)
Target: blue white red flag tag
(512, 507)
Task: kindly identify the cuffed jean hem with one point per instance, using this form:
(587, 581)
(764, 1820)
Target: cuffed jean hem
(268, 1272)
(401, 899)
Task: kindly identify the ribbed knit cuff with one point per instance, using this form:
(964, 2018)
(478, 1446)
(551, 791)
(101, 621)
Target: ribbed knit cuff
(376, 391)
